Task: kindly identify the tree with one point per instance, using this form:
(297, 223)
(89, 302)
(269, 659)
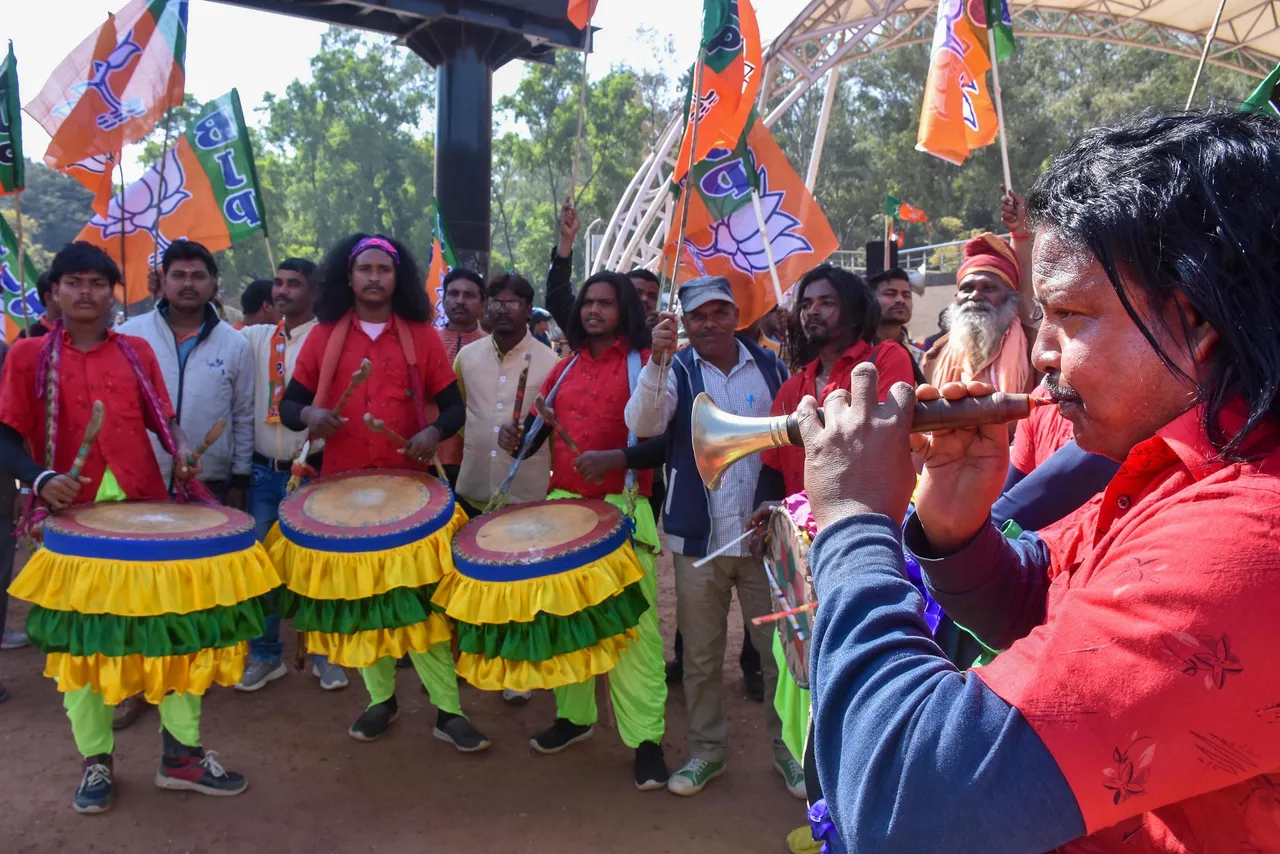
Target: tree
(54, 207)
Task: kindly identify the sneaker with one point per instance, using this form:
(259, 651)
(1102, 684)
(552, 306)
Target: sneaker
(694, 777)
(127, 711)
(199, 771)
(516, 698)
(94, 792)
(651, 767)
(13, 640)
(332, 677)
(754, 683)
(459, 732)
(375, 720)
(793, 774)
(258, 673)
(561, 734)
(675, 672)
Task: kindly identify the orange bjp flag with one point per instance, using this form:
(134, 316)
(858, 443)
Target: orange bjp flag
(723, 236)
(957, 115)
(113, 88)
(581, 12)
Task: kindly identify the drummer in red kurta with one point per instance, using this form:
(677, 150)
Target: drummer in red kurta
(372, 306)
(588, 393)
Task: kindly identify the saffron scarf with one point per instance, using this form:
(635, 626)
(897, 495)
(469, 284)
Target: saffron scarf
(279, 342)
(327, 393)
(1009, 370)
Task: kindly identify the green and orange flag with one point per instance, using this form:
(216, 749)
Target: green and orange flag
(11, 290)
(732, 57)
(113, 88)
(12, 166)
(723, 236)
(1266, 98)
(204, 189)
(958, 114)
(443, 259)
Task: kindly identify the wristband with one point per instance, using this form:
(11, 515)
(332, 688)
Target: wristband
(41, 480)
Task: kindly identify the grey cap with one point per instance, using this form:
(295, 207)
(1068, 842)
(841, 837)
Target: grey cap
(700, 291)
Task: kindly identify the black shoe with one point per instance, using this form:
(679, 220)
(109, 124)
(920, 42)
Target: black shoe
(561, 734)
(675, 672)
(375, 720)
(651, 767)
(755, 685)
(94, 795)
(127, 712)
(459, 732)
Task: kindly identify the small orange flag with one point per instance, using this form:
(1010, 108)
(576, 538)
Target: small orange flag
(957, 115)
(581, 12)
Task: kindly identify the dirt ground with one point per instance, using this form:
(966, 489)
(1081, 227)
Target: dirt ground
(313, 789)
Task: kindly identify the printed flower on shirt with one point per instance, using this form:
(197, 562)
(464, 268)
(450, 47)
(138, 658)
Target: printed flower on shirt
(1132, 769)
(1204, 654)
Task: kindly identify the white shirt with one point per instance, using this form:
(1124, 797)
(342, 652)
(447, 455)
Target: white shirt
(275, 440)
(743, 391)
(373, 330)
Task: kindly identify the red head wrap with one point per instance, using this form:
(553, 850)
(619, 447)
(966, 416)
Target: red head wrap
(987, 253)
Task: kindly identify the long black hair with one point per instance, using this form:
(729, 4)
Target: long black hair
(1185, 204)
(408, 300)
(631, 313)
(859, 311)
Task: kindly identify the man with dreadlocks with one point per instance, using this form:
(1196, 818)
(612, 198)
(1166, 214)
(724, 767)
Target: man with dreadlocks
(46, 395)
(372, 306)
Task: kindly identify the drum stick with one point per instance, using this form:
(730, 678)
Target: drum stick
(96, 416)
(361, 374)
(779, 615)
(295, 478)
(549, 416)
(520, 386)
(215, 433)
(782, 599)
(377, 425)
(715, 554)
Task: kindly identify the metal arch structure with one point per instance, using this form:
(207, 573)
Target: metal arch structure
(828, 33)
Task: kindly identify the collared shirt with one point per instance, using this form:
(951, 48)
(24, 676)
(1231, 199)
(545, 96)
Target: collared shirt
(275, 440)
(891, 360)
(743, 391)
(450, 450)
(103, 373)
(385, 395)
(1039, 437)
(590, 406)
(1151, 678)
(488, 381)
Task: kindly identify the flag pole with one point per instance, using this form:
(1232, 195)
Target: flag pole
(888, 227)
(271, 258)
(695, 104)
(155, 230)
(995, 79)
(768, 244)
(582, 114)
(120, 213)
(22, 278)
(1204, 54)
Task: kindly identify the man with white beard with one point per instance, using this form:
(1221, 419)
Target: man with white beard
(991, 329)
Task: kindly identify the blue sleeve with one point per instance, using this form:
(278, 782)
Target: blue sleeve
(912, 754)
(1057, 488)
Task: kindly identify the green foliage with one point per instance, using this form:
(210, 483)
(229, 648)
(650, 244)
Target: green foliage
(54, 207)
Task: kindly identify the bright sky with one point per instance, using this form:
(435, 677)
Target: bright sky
(257, 52)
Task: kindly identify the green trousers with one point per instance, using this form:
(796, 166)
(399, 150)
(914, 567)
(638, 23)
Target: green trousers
(638, 684)
(90, 720)
(435, 669)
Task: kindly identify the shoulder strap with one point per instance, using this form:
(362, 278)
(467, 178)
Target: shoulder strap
(633, 377)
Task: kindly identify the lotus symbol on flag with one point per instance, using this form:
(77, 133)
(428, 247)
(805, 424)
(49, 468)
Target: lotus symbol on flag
(118, 111)
(738, 237)
(11, 292)
(145, 205)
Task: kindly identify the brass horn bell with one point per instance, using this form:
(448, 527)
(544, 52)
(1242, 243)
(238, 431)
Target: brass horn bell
(720, 439)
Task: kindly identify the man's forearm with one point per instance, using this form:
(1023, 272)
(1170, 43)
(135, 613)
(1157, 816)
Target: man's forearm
(642, 416)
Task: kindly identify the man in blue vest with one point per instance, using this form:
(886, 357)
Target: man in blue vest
(742, 378)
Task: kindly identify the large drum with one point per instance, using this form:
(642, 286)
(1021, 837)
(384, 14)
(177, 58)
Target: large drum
(361, 554)
(787, 562)
(146, 597)
(543, 594)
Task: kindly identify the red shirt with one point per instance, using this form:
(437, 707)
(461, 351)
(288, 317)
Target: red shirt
(892, 361)
(1153, 679)
(103, 373)
(450, 450)
(1039, 436)
(590, 406)
(386, 394)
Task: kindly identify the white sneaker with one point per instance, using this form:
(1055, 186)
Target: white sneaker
(516, 698)
(694, 777)
(13, 640)
(332, 677)
(258, 673)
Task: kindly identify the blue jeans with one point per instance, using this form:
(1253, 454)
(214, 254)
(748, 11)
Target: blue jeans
(267, 488)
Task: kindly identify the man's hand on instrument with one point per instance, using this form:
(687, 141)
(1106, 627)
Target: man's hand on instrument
(859, 461)
(510, 437)
(321, 423)
(594, 465)
(60, 491)
(184, 470)
(423, 445)
(759, 522)
(666, 337)
(964, 472)
(567, 229)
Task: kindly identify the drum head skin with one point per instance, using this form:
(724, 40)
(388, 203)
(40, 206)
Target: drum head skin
(788, 556)
(538, 539)
(148, 531)
(366, 510)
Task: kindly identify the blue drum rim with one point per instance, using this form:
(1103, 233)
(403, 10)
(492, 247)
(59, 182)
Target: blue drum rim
(147, 551)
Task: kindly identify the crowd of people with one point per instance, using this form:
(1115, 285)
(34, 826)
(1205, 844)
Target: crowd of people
(1095, 676)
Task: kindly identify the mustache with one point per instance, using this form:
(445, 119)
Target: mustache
(1058, 392)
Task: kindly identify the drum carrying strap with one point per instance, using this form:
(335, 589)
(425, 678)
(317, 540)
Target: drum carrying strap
(632, 482)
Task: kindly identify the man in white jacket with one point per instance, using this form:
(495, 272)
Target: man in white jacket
(208, 368)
